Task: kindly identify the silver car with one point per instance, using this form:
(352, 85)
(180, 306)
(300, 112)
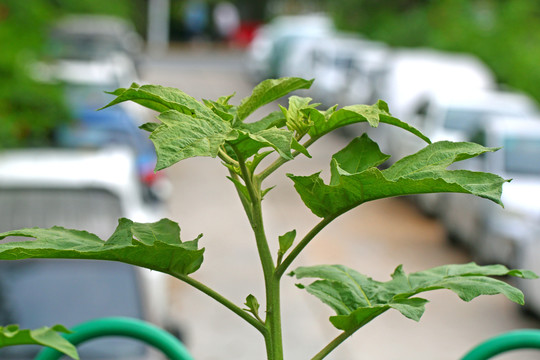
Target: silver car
(86, 190)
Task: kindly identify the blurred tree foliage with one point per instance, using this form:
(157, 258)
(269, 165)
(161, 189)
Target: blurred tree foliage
(504, 34)
(30, 110)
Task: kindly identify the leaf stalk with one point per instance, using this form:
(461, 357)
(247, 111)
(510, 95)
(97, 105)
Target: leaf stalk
(282, 267)
(224, 301)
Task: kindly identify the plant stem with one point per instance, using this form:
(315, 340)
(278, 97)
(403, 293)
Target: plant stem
(276, 164)
(224, 301)
(345, 335)
(273, 340)
(226, 158)
(332, 345)
(273, 308)
(280, 270)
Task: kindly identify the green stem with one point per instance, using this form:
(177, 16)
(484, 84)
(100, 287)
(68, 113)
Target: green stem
(280, 270)
(245, 202)
(344, 336)
(226, 158)
(332, 345)
(224, 301)
(277, 163)
(274, 341)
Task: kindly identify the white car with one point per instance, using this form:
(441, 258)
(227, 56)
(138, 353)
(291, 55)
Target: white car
(458, 116)
(343, 66)
(273, 41)
(86, 190)
(512, 234)
(412, 76)
(93, 36)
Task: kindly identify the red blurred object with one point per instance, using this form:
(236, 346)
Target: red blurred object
(149, 178)
(245, 33)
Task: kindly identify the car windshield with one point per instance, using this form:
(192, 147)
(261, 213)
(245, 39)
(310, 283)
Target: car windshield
(82, 47)
(521, 155)
(469, 120)
(463, 120)
(36, 293)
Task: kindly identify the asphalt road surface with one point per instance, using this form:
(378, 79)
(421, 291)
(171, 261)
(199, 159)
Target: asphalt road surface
(372, 239)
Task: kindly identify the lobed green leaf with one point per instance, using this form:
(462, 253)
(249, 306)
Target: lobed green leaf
(248, 144)
(372, 114)
(161, 99)
(268, 91)
(12, 335)
(156, 246)
(357, 180)
(181, 136)
(358, 299)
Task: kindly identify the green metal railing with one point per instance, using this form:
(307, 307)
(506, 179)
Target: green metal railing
(512, 340)
(175, 350)
(125, 327)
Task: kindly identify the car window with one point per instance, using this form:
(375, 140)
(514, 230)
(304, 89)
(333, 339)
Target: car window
(94, 210)
(36, 293)
(521, 155)
(463, 120)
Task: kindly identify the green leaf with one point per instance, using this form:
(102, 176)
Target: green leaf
(423, 172)
(161, 98)
(150, 126)
(274, 119)
(268, 91)
(156, 246)
(358, 299)
(248, 144)
(285, 241)
(372, 114)
(11, 335)
(298, 114)
(181, 136)
(226, 112)
(366, 155)
(253, 305)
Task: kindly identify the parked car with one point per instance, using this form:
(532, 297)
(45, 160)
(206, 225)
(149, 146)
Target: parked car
(457, 116)
(411, 76)
(91, 37)
(114, 126)
(85, 81)
(510, 235)
(87, 190)
(274, 40)
(343, 66)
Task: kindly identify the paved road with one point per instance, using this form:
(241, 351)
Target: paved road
(373, 239)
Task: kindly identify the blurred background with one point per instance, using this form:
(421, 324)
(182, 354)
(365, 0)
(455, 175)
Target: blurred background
(457, 70)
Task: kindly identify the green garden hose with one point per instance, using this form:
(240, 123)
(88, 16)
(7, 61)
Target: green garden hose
(126, 327)
(512, 340)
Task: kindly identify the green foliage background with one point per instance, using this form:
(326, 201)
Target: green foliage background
(504, 34)
(29, 110)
